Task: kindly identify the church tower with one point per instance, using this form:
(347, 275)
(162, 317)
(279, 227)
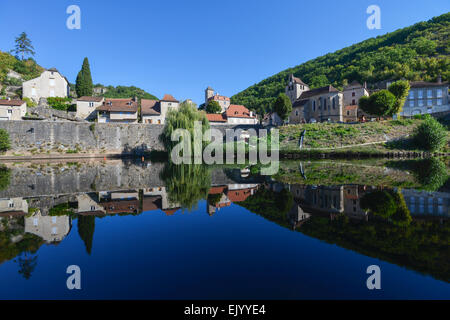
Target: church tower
(209, 92)
(295, 88)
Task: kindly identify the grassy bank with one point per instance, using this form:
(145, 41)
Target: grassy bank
(364, 138)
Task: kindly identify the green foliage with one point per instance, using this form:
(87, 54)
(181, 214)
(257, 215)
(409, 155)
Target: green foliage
(84, 85)
(186, 184)
(418, 52)
(430, 135)
(62, 209)
(5, 143)
(381, 103)
(183, 118)
(23, 46)
(283, 106)
(59, 103)
(213, 107)
(30, 103)
(380, 203)
(400, 90)
(127, 92)
(28, 68)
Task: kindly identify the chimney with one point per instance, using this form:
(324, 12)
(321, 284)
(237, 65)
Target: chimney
(439, 79)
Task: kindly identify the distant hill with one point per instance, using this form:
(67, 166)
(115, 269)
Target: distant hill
(418, 52)
(126, 92)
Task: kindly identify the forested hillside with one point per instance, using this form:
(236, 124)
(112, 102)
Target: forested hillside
(418, 52)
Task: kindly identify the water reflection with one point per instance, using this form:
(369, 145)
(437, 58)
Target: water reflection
(401, 225)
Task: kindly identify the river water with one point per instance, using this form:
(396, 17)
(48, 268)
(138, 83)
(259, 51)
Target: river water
(143, 230)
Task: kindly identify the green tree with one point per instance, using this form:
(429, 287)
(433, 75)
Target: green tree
(282, 106)
(23, 46)
(380, 203)
(381, 103)
(213, 107)
(5, 143)
(430, 135)
(86, 228)
(400, 90)
(83, 84)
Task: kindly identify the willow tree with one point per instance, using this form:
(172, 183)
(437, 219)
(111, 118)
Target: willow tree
(183, 118)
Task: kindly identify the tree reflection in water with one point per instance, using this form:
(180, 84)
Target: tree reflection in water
(186, 184)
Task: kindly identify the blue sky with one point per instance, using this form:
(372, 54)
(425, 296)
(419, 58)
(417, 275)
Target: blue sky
(181, 47)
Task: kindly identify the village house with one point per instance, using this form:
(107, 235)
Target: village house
(49, 84)
(426, 98)
(87, 106)
(154, 111)
(235, 114)
(352, 93)
(118, 110)
(224, 102)
(12, 109)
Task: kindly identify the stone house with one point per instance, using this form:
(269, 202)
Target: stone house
(350, 113)
(12, 109)
(318, 105)
(353, 92)
(86, 107)
(154, 111)
(224, 102)
(118, 110)
(49, 84)
(426, 98)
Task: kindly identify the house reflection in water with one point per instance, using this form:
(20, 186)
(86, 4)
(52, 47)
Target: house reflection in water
(228, 194)
(50, 228)
(13, 207)
(423, 203)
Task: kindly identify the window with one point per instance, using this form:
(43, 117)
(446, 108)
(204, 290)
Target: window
(91, 104)
(420, 94)
(334, 103)
(314, 105)
(430, 93)
(411, 103)
(353, 94)
(33, 91)
(429, 102)
(9, 111)
(54, 230)
(411, 94)
(296, 112)
(353, 102)
(11, 204)
(35, 222)
(439, 102)
(324, 104)
(53, 219)
(420, 103)
(348, 113)
(439, 93)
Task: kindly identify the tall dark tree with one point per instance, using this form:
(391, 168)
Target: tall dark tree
(283, 106)
(400, 90)
(83, 84)
(381, 103)
(23, 46)
(86, 228)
